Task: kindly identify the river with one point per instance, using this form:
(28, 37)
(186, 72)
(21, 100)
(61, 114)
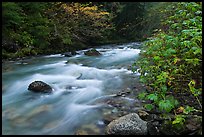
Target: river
(73, 102)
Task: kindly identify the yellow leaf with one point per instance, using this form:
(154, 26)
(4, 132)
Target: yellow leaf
(169, 83)
(180, 110)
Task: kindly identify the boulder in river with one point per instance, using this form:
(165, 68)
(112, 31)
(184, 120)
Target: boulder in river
(130, 124)
(39, 86)
(69, 54)
(92, 52)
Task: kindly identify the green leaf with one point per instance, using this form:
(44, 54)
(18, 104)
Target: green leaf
(197, 50)
(198, 12)
(188, 109)
(194, 61)
(173, 101)
(171, 51)
(164, 88)
(179, 119)
(156, 58)
(165, 105)
(152, 97)
(149, 106)
(193, 9)
(142, 79)
(142, 95)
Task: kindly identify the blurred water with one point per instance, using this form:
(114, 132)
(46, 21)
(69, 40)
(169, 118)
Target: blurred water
(75, 84)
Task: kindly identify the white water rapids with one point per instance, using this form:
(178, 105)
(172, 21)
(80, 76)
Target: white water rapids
(76, 85)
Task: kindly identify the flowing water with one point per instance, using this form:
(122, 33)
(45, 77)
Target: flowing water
(77, 82)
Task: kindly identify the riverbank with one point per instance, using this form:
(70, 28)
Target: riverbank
(71, 48)
(126, 102)
(158, 123)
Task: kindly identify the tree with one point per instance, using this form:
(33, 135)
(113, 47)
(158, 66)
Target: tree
(128, 21)
(12, 19)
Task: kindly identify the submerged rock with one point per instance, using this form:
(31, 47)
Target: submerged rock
(108, 118)
(124, 92)
(39, 86)
(88, 129)
(92, 52)
(130, 124)
(38, 110)
(81, 132)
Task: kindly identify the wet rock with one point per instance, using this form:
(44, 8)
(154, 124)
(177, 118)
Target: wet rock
(124, 92)
(124, 113)
(72, 62)
(51, 124)
(193, 123)
(10, 113)
(142, 114)
(153, 128)
(115, 110)
(130, 124)
(7, 68)
(20, 122)
(69, 54)
(88, 129)
(39, 86)
(109, 117)
(79, 76)
(92, 52)
(38, 110)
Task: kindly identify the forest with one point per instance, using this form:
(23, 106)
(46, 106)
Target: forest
(166, 68)
(44, 28)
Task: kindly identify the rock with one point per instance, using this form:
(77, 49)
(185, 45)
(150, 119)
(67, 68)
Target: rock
(88, 129)
(10, 113)
(39, 86)
(78, 75)
(72, 62)
(51, 124)
(20, 122)
(115, 110)
(109, 117)
(38, 110)
(153, 128)
(92, 52)
(130, 124)
(69, 54)
(193, 123)
(143, 114)
(123, 93)
(74, 52)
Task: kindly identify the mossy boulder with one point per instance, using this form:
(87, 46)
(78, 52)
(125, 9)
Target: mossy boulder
(39, 86)
(92, 52)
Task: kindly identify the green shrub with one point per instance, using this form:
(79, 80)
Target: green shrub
(171, 60)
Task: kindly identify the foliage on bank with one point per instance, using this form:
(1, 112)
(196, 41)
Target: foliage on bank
(170, 62)
(31, 28)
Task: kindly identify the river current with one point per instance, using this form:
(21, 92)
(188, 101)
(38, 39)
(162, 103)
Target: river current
(77, 82)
